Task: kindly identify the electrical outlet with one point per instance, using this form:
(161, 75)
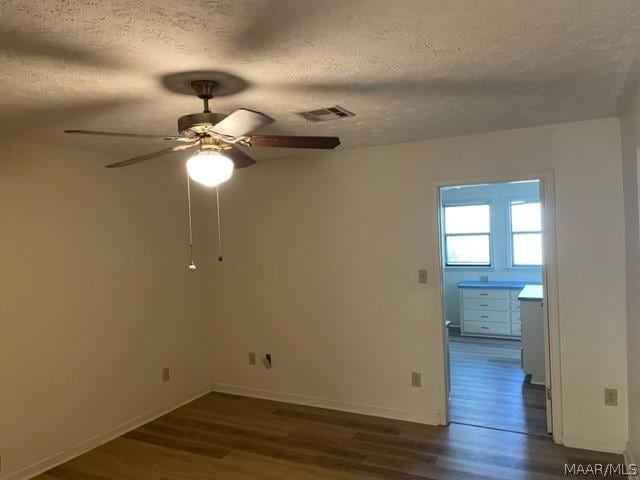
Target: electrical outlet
(267, 361)
(166, 375)
(611, 397)
(416, 379)
(422, 276)
(252, 358)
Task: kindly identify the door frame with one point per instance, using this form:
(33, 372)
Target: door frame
(550, 280)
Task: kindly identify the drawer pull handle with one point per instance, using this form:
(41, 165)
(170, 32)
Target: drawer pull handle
(484, 316)
(484, 294)
(485, 328)
(484, 305)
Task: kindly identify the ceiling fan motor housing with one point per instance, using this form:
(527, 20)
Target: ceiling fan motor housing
(198, 123)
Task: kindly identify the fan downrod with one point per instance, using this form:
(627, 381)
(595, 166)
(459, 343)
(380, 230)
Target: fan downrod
(204, 90)
(197, 124)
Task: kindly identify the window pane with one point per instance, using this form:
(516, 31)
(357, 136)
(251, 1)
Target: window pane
(468, 250)
(527, 249)
(525, 217)
(467, 219)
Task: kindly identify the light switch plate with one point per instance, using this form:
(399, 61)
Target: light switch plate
(416, 379)
(252, 358)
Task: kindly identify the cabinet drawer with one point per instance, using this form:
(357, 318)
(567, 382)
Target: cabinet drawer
(515, 316)
(485, 304)
(485, 316)
(515, 305)
(516, 328)
(484, 293)
(485, 328)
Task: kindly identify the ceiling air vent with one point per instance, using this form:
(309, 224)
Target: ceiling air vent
(326, 114)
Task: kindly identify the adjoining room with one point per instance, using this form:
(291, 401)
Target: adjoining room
(492, 238)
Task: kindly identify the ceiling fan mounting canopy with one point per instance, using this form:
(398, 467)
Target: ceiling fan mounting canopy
(181, 82)
(205, 88)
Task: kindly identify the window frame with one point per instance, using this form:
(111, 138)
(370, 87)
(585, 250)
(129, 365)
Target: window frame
(467, 203)
(510, 233)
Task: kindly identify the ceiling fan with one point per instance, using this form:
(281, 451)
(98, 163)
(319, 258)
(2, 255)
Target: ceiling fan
(216, 138)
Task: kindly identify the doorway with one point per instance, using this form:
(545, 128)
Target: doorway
(495, 251)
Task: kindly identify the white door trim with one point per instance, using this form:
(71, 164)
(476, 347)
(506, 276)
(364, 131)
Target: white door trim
(550, 273)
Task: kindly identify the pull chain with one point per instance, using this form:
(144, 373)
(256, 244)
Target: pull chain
(219, 230)
(192, 265)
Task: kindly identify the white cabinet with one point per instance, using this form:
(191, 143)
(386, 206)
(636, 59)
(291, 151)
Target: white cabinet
(490, 312)
(533, 340)
(485, 329)
(486, 304)
(493, 316)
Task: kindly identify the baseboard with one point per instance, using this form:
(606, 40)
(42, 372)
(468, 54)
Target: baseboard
(596, 445)
(629, 457)
(313, 401)
(83, 447)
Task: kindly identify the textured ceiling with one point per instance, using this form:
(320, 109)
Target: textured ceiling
(410, 70)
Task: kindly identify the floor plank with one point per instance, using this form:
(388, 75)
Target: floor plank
(237, 438)
(488, 386)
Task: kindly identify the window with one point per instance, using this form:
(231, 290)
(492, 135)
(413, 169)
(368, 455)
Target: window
(526, 234)
(467, 232)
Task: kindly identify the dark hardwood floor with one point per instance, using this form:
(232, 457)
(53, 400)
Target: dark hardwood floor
(237, 438)
(488, 386)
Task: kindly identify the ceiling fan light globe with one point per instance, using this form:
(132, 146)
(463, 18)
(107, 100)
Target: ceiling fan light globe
(210, 168)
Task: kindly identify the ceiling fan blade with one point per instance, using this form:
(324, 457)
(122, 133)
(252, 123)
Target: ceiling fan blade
(132, 135)
(240, 122)
(238, 157)
(293, 142)
(149, 156)
(17, 118)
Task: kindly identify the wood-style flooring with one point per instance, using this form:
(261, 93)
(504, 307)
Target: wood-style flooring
(488, 386)
(237, 438)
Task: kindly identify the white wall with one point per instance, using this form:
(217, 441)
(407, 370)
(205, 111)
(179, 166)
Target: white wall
(498, 195)
(95, 299)
(630, 157)
(321, 263)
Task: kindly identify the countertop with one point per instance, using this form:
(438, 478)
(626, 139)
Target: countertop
(531, 293)
(510, 284)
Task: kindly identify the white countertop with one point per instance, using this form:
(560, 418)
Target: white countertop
(531, 293)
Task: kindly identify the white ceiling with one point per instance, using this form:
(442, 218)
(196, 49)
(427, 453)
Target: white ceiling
(410, 70)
